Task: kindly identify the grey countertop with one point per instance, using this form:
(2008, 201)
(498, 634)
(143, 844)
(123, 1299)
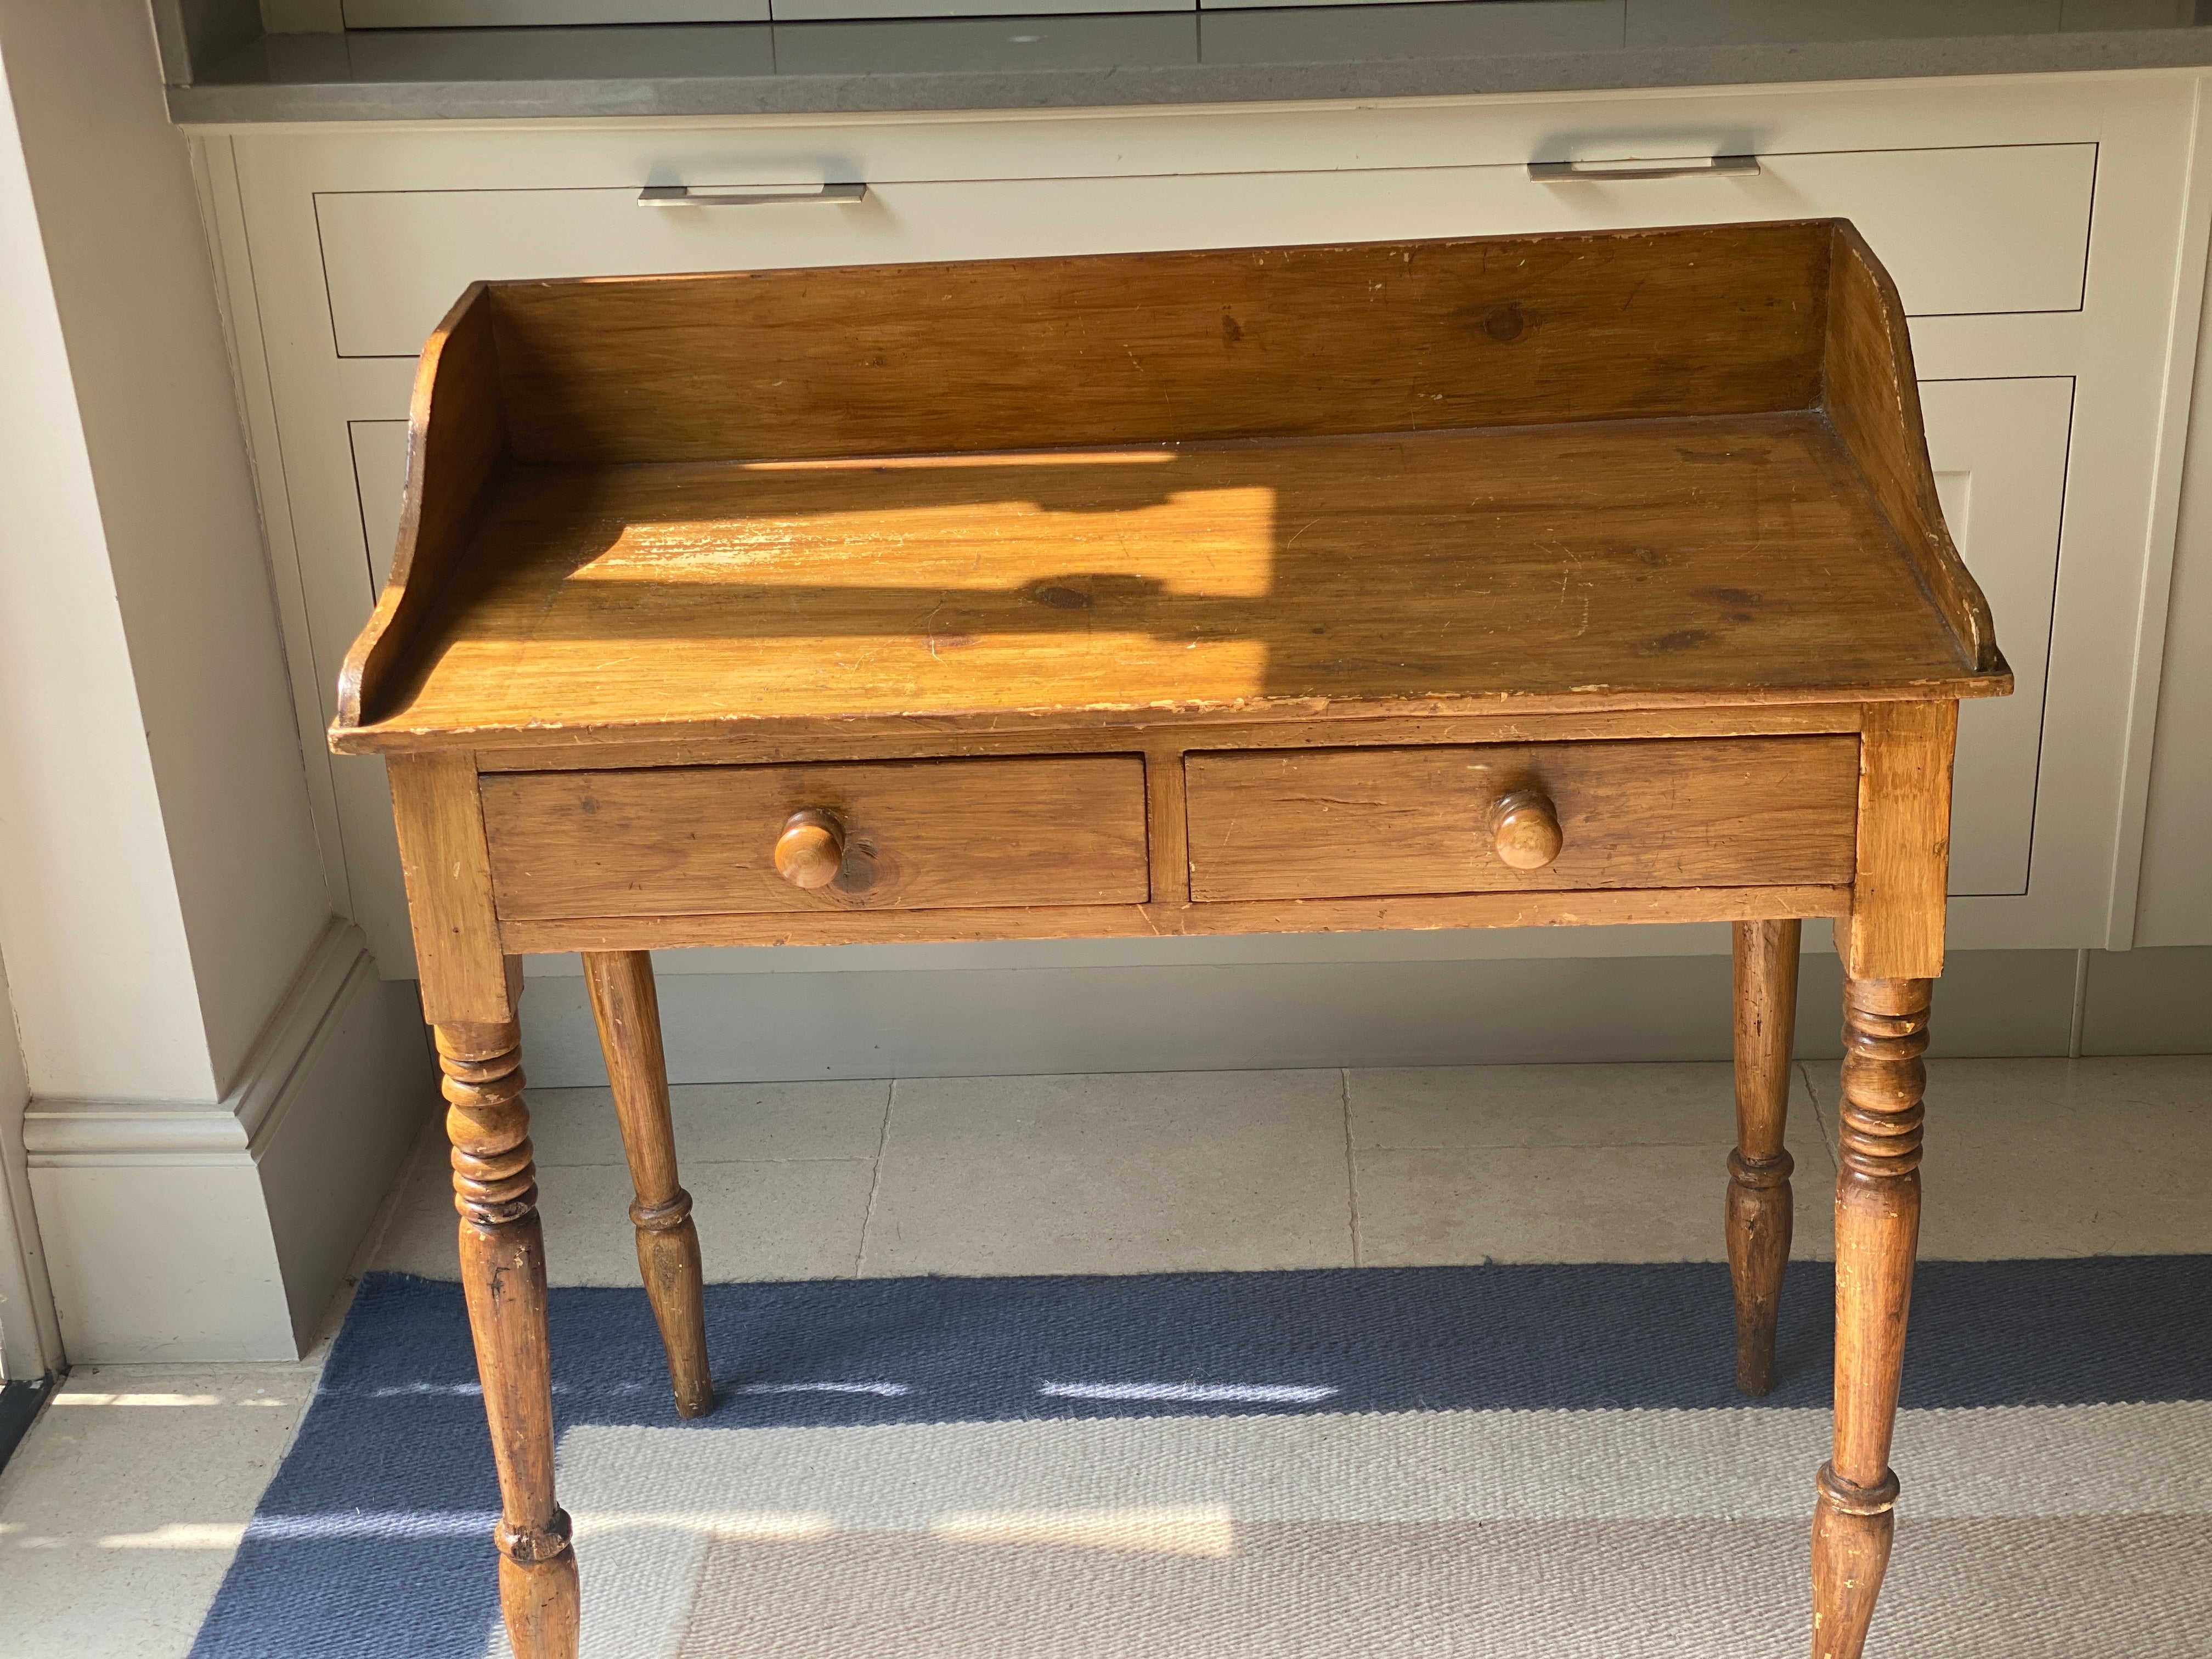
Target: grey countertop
(1198, 57)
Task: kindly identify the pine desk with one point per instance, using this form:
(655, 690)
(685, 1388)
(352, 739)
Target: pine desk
(1500, 582)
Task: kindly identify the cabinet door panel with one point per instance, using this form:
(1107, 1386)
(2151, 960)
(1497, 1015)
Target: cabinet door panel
(1999, 448)
(1993, 229)
(531, 13)
(379, 481)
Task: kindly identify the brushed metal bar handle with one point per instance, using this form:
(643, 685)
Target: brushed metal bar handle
(662, 196)
(1585, 172)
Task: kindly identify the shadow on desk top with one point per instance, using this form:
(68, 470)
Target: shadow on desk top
(1235, 53)
(1638, 467)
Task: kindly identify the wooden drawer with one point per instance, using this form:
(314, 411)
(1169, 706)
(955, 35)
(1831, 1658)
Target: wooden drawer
(920, 835)
(1355, 822)
(1999, 228)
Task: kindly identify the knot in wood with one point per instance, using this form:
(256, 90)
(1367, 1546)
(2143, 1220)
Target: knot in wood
(1840, 1495)
(1761, 1173)
(662, 1218)
(529, 1546)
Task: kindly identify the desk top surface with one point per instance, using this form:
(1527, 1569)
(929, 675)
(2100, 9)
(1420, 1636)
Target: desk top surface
(1722, 558)
(1642, 469)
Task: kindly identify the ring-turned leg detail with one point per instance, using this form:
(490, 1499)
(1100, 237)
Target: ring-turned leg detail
(628, 1010)
(1759, 1195)
(503, 1275)
(1877, 1231)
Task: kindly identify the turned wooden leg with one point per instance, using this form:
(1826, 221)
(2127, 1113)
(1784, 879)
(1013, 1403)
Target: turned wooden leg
(1877, 1230)
(628, 1016)
(503, 1273)
(1758, 1200)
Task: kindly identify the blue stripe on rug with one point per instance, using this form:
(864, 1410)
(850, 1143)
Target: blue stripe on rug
(353, 1550)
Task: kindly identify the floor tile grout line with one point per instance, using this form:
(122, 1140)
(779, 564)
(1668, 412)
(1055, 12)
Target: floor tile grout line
(1819, 1116)
(711, 1162)
(875, 1176)
(1350, 1165)
(1727, 1142)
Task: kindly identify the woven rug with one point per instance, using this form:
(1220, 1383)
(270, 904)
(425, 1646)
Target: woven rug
(1493, 1460)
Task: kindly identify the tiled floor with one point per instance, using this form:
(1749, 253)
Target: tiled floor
(118, 1513)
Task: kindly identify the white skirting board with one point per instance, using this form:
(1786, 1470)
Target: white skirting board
(187, 1232)
(182, 1231)
(723, 1027)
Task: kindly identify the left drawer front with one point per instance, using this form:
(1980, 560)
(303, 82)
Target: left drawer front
(920, 835)
(1664, 812)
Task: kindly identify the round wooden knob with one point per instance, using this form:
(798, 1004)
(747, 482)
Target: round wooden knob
(1526, 829)
(811, 849)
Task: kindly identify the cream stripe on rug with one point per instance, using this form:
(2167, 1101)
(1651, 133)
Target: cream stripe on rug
(2026, 1531)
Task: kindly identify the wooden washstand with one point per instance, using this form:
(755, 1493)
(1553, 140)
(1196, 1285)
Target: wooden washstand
(1507, 582)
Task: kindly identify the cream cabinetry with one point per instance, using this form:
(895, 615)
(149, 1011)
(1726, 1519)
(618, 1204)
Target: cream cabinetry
(1972, 230)
(2044, 234)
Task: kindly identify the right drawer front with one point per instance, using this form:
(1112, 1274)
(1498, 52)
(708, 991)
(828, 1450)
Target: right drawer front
(1356, 822)
(2000, 227)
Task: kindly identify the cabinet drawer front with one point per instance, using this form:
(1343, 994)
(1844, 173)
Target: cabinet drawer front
(1993, 228)
(1360, 823)
(919, 835)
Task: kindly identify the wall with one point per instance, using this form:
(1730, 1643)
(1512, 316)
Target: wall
(30, 1344)
(162, 901)
(2174, 906)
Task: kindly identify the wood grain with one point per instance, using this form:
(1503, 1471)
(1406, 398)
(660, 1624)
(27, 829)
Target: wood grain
(1336, 823)
(1873, 398)
(627, 1010)
(1903, 841)
(1167, 825)
(925, 835)
(502, 1257)
(809, 849)
(1760, 1203)
(1178, 593)
(442, 856)
(1171, 347)
(456, 443)
(1171, 734)
(1524, 828)
(1722, 559)
(1411, 913)
(1877, 1233)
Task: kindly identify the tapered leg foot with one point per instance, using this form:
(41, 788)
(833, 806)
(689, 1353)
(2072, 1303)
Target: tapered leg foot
(1851, 1531)
(1877, 1231)
(1759, 1223)
(502, 1250)
(628, 1010)
(668, 1260)
(538, 1602)
(1759, 1196)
